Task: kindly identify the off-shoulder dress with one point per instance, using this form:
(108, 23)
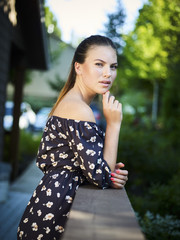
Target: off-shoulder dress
(70, 152)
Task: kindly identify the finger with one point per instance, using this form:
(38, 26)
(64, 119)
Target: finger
(106, 97)
(111, 100)
(117, 186)
(120, 109)
(116, 104)
(121, 172)
(120, 177)
(119, 165)
(120, 106)
(118, 181)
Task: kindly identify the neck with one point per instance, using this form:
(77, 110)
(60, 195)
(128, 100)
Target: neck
(82, 92)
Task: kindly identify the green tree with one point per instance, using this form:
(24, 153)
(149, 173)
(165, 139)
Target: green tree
(152, 48)
(51, 22)
(146, 60)
(113, 28)
(151, 60)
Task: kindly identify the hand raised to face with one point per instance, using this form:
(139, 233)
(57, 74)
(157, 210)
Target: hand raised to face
(112, 109)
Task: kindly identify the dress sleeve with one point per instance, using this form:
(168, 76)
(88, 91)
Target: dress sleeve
(87, 143)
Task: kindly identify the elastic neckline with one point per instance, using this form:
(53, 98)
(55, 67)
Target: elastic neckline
(74, 120)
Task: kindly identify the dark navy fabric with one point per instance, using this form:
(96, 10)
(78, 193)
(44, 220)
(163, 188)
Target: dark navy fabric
(70, 152)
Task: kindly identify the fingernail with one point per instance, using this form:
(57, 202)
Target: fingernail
(112, 179)
(113, 174)
(117, 171)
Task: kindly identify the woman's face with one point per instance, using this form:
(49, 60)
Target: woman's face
(99, 70)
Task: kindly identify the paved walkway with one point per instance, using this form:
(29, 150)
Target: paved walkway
(18, 197)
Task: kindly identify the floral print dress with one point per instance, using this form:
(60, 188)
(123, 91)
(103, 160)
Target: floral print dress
(70, 152)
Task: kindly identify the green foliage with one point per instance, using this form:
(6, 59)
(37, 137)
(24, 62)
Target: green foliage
(28, 146)
(167, 196)
(152, 54)
(159, 198)
(113, 28)
(153, 164)
(171, 106)
(29, 143)
(157, 227)
(144, 54)
(51, 23)
(138, 102)
(151, 152)
(148, 154)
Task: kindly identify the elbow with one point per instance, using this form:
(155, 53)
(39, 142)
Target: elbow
(102, 183)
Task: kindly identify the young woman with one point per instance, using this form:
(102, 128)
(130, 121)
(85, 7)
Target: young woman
(73, 148)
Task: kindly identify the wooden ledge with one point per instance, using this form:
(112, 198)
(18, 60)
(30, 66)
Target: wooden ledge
(102, 214)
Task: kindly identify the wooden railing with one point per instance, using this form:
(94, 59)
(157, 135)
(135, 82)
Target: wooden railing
(102, 214)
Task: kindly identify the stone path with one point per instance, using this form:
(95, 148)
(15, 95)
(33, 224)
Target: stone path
(18, 197)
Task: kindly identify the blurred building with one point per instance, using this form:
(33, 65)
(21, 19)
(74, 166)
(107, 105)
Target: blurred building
(23, 45)
(39, 88)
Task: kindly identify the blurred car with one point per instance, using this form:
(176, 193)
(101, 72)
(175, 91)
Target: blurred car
(26, 120)
(41, 118)
(99, 117)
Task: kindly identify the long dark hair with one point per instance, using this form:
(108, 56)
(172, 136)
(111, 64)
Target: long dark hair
(80, 56)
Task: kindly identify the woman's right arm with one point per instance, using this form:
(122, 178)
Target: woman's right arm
(112, 110)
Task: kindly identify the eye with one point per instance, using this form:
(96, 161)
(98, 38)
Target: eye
(114, 67)
(99, 64)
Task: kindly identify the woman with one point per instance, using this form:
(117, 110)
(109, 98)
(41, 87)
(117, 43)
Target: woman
(73, 147)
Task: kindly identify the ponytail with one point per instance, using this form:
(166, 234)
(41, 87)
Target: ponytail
(68, 85)
(80, 56)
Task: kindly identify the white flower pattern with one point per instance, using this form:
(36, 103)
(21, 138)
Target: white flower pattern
(34, 226)
(49, 204)
(48, 216)
(80, 147)
(48, 192)
(40, 236)
(59, 228)
(69, 152)
(39, 212)
(25, 220)
(63, 155)
(57, 184)
(90, 152)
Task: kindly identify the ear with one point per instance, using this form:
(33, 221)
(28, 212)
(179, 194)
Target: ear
(77, 67)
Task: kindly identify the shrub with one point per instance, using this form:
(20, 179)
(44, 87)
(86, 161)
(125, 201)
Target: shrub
(149, 157)
(28, 145)
(167, 197)
(156, 227)
(152, 160)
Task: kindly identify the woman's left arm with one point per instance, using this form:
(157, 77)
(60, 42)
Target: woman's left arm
(119, 177)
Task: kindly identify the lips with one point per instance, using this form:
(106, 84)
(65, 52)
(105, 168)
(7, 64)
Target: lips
(105, 82)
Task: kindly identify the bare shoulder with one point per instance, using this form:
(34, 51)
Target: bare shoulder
(75, 109)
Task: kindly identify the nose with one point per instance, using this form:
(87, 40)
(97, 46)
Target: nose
(107, 72)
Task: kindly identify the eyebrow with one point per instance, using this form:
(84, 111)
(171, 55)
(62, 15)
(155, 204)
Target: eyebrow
(105, 62)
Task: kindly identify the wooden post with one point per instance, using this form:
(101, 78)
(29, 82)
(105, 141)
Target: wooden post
(18, 93)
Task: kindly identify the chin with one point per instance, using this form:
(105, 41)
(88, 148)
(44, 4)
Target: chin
(103, 90)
